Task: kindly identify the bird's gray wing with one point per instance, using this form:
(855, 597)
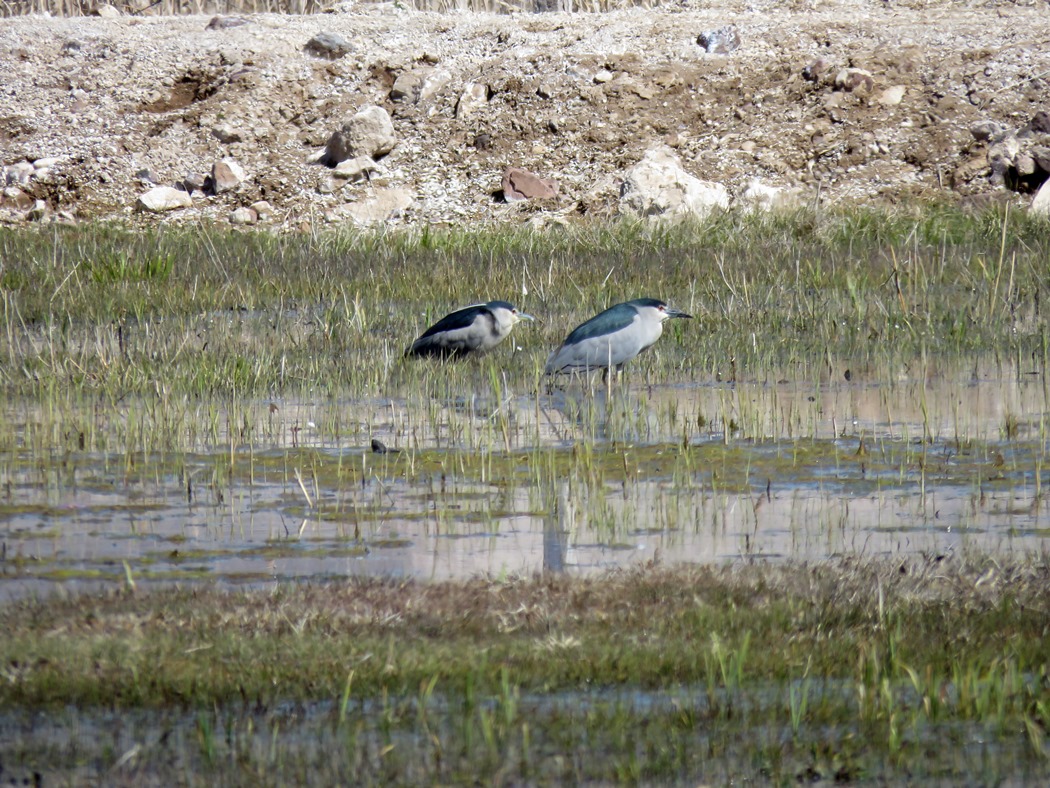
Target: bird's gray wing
(611, 320)
(577, 352)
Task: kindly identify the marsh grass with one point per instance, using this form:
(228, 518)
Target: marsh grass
(160, 334)
(842, 670)
(217, 374)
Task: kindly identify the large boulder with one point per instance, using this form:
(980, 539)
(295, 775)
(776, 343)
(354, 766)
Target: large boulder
(659, 187)
(368, 133)
(226, 175)
(163, 198)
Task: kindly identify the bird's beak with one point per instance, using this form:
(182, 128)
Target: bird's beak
(525, 316)
(672, 312)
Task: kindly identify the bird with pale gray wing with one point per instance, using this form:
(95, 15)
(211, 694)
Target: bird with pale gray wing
(473, 329)
(612, 338)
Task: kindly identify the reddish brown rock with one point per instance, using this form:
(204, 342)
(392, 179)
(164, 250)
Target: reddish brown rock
(519, 184)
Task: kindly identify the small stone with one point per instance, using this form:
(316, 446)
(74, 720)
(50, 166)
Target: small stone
(18, 174)
(814, 70)
(854, 79)
(419, 85)
(407, 87)
(1025, 165)
(603, 76)
(225, 22)
(226, 175)
(434, 83)
(357, 168)
(1041, 156)
(46, 162)
(38, 212)
(147, 176)
(721, 41)
(328, 45)
(483, 141)
(194, 182)
(1001, 158)
(262, 209)
(164, 198)
(227, 134)
(984, 130)
(520, 184)
(473, 98)
(892, 96)
(13, 197)
(107, 11)
(242, 216)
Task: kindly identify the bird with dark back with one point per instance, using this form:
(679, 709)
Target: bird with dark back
(474, 329)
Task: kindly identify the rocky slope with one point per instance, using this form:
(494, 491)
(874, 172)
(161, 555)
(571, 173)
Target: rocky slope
(841, 101)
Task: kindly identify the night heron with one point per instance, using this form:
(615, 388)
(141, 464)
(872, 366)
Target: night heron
(473, 329)
(612, 338)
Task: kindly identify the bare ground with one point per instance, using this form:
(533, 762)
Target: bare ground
(574, 98)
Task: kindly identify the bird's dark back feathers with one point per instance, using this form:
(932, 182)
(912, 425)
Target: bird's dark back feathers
(461, 318)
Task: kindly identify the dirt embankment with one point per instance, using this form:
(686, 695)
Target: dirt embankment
(838, 101)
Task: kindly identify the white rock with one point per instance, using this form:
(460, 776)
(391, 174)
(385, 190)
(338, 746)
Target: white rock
(434, 83)
(368, 133)
(357, 168)
(891, 97)
(227, 134)
(243, 216)
(384, 205)
(474, 97)
(164, 198)
(659, 187)
(1041, 202)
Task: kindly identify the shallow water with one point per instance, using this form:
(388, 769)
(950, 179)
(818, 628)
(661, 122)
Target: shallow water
(582, 478)
(321, 743)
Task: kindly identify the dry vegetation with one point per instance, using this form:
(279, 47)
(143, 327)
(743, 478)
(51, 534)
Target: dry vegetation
(842, 670)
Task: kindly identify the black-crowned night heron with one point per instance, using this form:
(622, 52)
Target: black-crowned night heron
(473, 329)
(612, 338)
